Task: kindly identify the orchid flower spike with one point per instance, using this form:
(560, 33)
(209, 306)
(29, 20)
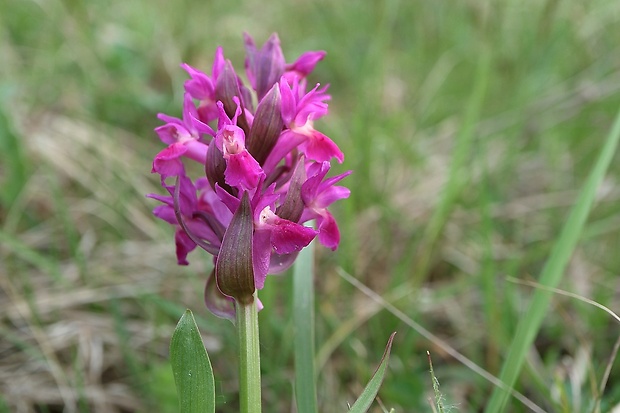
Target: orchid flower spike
(265, 170)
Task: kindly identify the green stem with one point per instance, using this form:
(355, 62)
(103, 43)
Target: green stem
(249, 358)
(303, 317)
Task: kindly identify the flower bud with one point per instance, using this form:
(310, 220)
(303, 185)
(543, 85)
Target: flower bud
(266, 127)
(264, 66)
(233, 269)
(293, 206)
(215, 168)
(226, 88)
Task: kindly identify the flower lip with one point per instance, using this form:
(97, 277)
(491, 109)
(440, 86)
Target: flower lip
(233, 140)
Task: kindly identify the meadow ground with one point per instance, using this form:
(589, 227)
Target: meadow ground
(471, 128)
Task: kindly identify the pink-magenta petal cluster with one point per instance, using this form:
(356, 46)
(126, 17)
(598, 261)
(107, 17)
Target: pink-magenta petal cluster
(265, 170)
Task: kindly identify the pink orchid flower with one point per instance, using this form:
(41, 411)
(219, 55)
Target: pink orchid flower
(265, 170)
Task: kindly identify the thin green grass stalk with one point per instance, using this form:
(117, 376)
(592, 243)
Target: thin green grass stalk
(79, 385)
(71, 232)
(15, 170)
(135, 370)
(601, 389)
(303, 318)
(457, 178)
(3, 406)
(29, 255)
(28, 348)
(45, 409)
(553, 271)
(491, 303)
(438, 395)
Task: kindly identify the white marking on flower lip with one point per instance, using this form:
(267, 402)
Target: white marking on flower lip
(233, 144)
(177, 135)
(305, 129)
(266, 216)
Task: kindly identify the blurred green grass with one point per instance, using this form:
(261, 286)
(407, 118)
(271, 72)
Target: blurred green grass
(90, 290)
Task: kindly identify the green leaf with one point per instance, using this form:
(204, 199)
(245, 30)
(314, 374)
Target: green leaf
(303, 317)
(552, 273)
(372, 388)
(191, 367)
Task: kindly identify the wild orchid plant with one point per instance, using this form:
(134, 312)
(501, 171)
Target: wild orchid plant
(265, 176)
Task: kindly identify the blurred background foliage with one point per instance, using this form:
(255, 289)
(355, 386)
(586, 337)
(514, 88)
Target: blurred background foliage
(470, 127)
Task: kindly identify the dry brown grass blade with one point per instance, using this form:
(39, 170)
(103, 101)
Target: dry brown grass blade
(565, 293)
(66, 358)
(47, 302)
(98, 158)
(43, 341)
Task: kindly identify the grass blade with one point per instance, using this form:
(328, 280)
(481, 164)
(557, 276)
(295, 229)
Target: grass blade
(444, 346)
(457, 179)
(553, 271)
(303, 317)
(372, 388)
(14, 161)
(191, 366)
(438, 395)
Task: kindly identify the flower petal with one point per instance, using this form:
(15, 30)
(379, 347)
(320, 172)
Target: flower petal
(165, 213)
(261, 256)
(184, 245)
(331, 195)
(242, 171)
(288, 237)
(289, 102)
(329, 234)
(168, 162)
(200, 86)
(287, 141)
(173, 131)
(305, 64)
(320, 148)
(310, 188)
(279, 263)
